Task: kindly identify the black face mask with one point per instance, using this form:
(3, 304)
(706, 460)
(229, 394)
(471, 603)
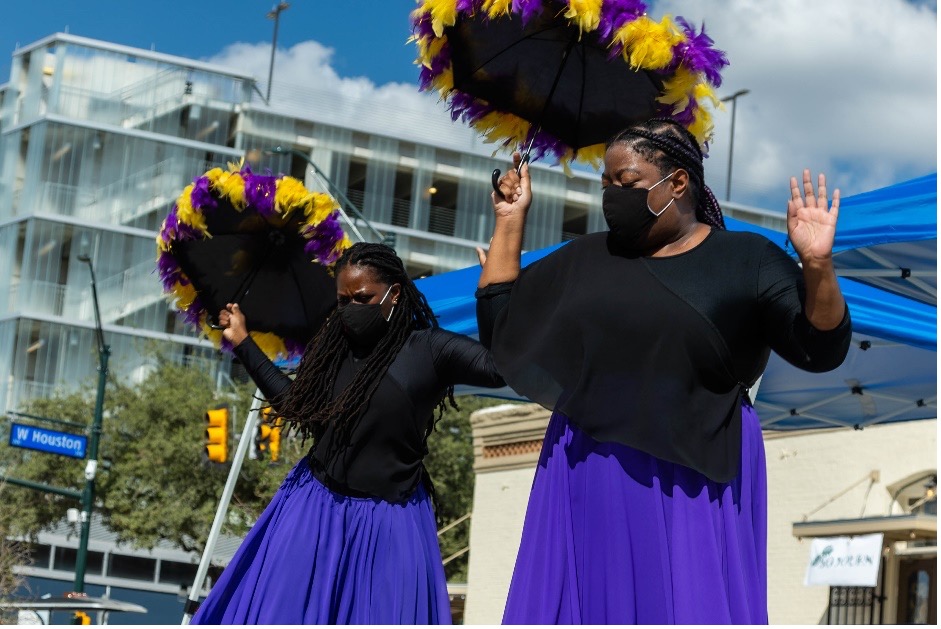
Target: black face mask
(363, 324)
(628, 215)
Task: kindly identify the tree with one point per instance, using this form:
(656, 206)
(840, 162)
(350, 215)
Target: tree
(153, 463)
(155, 482)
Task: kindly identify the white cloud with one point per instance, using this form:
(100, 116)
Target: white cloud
(305, 84)
(844, 86)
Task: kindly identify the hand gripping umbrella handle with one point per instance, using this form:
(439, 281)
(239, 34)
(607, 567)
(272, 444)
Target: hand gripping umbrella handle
(495, 175)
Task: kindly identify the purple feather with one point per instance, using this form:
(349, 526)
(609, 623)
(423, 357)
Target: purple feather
(323, 239)
(527, 9)
(201, 197)
(698, 55)
(173, 229)
(617, 13)
(465, 6)
(168, 270)
(259, 193)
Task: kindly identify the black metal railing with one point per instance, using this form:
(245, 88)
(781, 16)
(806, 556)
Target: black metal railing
(854, 606)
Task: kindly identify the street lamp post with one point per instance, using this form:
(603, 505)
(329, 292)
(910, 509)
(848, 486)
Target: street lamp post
(91, 467)
(728, 180)
(274, 14)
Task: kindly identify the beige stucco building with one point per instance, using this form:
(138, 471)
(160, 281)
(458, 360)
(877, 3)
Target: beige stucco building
(820, 483)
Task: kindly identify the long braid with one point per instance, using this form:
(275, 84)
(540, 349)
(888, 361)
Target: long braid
(669, 145)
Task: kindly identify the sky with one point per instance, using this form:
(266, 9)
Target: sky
(848, 87)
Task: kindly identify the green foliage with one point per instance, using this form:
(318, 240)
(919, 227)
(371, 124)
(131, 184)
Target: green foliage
(158, 485)
(155, 482)
(450, 462)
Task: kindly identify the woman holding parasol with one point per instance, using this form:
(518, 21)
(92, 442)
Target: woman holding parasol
(350, 536)
(649, 501)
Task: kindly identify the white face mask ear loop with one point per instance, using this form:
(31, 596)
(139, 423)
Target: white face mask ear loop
(393, 305)
(657, 214)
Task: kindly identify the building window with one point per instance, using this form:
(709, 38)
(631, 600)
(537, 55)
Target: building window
(39, 555)
(64, 559)
(177, 573)
(443, 207)
(402, 198)
(127, 567)
(574, 221)
(356, 182)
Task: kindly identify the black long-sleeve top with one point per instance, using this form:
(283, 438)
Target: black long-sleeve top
(383, 457)
(656, 352)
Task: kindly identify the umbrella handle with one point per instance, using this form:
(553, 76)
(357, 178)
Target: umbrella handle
(495, 175)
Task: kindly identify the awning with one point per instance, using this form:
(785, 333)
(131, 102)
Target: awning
(895, 528)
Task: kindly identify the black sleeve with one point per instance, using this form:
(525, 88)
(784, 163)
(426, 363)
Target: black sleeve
(269, 379)
(459, 359)
(491, 300)
(781, 293)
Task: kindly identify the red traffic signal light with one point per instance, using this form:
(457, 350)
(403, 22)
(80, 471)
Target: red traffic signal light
(217, 435)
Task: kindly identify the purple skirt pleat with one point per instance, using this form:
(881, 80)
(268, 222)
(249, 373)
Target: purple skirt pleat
(317, 557)
(616, 536)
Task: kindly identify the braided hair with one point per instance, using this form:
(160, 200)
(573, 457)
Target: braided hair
(668, 145)
(308, 406)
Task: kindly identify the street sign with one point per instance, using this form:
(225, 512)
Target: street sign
(52, 441)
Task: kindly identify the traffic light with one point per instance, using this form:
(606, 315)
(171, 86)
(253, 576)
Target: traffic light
(217, 435)
(268, 437)
(81, 618)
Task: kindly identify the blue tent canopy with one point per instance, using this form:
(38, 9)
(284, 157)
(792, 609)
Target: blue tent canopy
(888, 238)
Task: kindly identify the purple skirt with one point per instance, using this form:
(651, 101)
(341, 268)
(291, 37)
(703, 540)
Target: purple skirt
(616, 536)
(317, 557)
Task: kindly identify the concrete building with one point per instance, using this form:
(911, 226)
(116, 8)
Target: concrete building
(821, 483)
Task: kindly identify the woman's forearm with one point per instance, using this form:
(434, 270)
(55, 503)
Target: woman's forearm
(824, 304)
(503, 258)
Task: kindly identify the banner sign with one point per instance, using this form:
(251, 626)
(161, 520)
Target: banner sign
(845, 561)
(52, 441)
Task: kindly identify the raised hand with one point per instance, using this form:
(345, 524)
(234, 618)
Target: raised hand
(233, 321)
(516, 190)
(811, 227)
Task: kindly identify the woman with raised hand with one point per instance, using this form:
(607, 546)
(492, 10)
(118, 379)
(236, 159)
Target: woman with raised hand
(649, 500)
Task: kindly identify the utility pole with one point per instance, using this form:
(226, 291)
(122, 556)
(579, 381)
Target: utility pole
(728, 179)
(274, 14)
(91, 467)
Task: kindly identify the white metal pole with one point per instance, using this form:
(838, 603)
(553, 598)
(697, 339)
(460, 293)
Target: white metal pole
(245, 441)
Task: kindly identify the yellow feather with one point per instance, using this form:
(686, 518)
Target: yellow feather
(271, 344)
(585, 13)
(443, 13)
(502, 127)
(185, 294)
(496, 8)
(592, 155)
(232, 186)
(319, 206)
(289, 194)
(444, 82)
(647, 44)
(213, 175)
(702, 125)
(186, 213)
(678, 88)
(428, 49)
(213, 335)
